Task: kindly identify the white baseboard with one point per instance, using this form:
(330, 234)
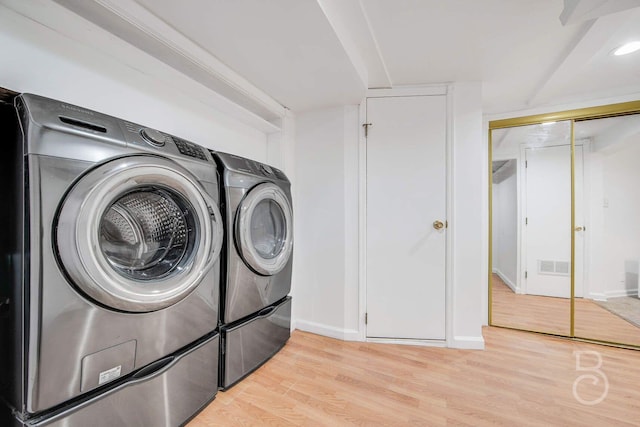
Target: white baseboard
(422, 343)
(468, 343)
(460, 342)
(352, 335)
(328, 331)
(622, 293)
(504, 278)
(597, 296)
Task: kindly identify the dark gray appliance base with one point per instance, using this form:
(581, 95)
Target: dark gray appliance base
(169, 396)
(245, 346)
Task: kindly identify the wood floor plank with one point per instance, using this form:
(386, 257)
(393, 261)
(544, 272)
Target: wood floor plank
(520, 379)
(553, 315)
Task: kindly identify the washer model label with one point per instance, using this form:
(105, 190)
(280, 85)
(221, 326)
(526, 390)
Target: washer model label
(109, 374)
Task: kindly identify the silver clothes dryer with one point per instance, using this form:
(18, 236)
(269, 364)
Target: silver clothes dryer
(113, 261)
(257, 263)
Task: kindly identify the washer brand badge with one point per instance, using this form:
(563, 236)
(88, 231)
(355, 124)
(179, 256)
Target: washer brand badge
(109, 374)
(76, 109)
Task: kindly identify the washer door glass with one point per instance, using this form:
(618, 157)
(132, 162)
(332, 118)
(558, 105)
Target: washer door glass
(264, 229)
(268, 229)
(138, 233)
(147, 233)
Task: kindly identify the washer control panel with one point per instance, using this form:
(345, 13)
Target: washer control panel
(189, 149)
(139, 135)
(153, 137)
(265, 169)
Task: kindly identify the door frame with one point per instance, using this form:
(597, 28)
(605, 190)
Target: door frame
(408, 91)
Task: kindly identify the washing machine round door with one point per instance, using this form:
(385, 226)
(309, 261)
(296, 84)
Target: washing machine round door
(264, 229)
(138, 233)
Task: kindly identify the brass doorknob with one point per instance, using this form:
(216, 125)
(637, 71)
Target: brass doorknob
(438, 225)
(580, 228)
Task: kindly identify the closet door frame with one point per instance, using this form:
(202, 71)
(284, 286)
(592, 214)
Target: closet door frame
(598, 112)
(444, 90)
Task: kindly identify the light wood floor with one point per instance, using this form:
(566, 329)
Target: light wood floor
(521, 379)
(552, 315)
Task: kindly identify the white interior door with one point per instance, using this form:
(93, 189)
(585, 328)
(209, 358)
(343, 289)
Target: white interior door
(548, 220)
(406, 195)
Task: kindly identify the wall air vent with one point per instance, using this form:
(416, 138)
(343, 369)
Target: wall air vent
(562, 267)
(546, 267)
(555, 268)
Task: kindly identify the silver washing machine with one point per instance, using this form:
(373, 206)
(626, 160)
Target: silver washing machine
(257, 261)
(113, 260)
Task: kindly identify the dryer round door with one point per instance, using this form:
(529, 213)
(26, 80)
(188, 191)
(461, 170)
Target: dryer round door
(138, 233)
(264, 229)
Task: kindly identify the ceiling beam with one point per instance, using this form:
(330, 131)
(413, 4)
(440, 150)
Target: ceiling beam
(560, 62)
(593, 41)
(340, 16)
(131, 22)
(576, 11)
(384, 79)
(352, 27)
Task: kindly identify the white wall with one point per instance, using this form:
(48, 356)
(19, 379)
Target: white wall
(68, 58)
(505, 224)
(468, 221)
(615, 229)
(325, 205)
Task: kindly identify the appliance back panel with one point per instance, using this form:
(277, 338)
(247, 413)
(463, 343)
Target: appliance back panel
(12, 257)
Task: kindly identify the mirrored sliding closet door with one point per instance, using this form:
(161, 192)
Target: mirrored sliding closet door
(608, 309)
(531, 224)
(565, 224)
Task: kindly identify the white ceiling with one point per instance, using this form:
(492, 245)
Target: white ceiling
(285, 47)
(309, 54)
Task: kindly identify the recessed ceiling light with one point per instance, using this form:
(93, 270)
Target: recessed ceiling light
(627, 48)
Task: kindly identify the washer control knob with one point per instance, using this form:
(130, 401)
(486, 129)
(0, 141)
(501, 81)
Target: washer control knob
(266, 169)
(153, 137)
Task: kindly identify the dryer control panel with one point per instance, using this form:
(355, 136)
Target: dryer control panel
(251, 167)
